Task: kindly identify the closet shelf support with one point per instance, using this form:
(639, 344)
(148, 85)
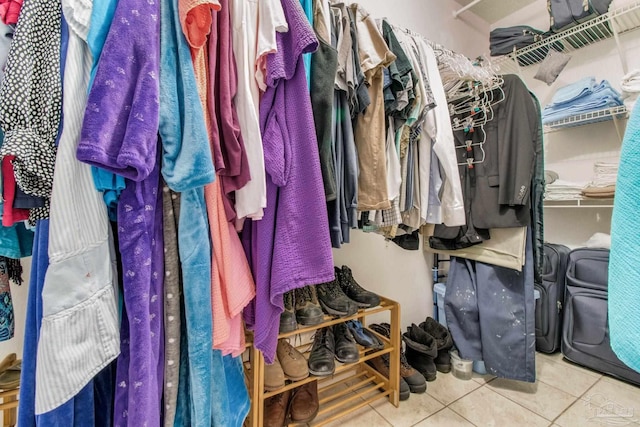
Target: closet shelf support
(465, 8)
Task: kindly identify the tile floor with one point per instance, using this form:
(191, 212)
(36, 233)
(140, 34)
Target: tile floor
(564, 395)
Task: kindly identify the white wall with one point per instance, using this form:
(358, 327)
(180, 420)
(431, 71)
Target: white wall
(19, 296)
(434, 19)
(379, 265)
(572, 152)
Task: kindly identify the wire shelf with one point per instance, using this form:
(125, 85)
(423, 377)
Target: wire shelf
(603, 27)
(579, 203)
(597, 116)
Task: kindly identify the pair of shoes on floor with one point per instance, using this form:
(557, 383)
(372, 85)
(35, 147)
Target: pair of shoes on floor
(10, 369)
(331, 343)
(301, 307)
(411, 381)
(289, 364)
(299, 405)
(428, 346)
(343, 296)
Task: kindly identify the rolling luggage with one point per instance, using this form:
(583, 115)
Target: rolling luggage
(549, 305)
(585, 337)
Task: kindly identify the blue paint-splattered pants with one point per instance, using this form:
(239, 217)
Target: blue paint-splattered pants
(491, 315)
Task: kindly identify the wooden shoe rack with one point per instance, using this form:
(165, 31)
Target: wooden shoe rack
(351, 387)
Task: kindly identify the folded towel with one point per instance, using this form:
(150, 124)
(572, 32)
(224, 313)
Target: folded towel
(605, 98)
(564, 190)
(599, 192)
(574, 91)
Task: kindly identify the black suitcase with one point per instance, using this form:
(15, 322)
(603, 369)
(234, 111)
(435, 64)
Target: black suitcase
(585, 337)
(549, 305)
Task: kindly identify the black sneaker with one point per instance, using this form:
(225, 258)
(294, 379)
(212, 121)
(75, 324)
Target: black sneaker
(288, 317)
(308, 310)
(334, 301)
(353, 290)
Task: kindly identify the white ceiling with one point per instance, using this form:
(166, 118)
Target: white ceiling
(494, 10)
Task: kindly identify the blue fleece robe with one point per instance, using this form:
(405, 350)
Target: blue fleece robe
(211, 390)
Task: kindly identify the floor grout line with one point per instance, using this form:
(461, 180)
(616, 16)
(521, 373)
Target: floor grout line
(424, 419)
(577, 399)
(452, 402)
(531, 410)
(462, 416)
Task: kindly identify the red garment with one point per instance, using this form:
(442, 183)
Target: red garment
(10, 215)
(233, 166)
(10, 10)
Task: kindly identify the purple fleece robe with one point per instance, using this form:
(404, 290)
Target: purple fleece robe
(120, 134)
(291, 245)
(120, 127)
(140, 371)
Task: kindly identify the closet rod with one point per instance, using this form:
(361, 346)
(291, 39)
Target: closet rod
(465, 8)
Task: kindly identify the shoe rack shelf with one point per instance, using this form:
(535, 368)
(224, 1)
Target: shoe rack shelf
(358, 384)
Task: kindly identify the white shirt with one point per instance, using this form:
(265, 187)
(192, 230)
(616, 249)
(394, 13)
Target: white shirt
(255, 23)
(80, 332)
(438, 127)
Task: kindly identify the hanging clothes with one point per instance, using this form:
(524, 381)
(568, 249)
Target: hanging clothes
(186, 160)
(233, 166)
(173, 285)
(95, 397)
(109, 183)
(228, 264)
(10, 215)
(254, 35)
(139, 377)
(16, 241)
(10, 11)
(438, 126)
(125, 89)
(31, 122)
(370, 126)
(300, 255)
(343, 210)
(323, 71)
(79, 282)
(307, 6)
(7, 324)
(187, 166)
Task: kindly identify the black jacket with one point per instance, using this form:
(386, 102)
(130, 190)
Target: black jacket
(498, 191)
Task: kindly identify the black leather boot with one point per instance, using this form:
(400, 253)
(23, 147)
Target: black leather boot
(443, 341)
(346, 348)
(321, 358)
(421, 351)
